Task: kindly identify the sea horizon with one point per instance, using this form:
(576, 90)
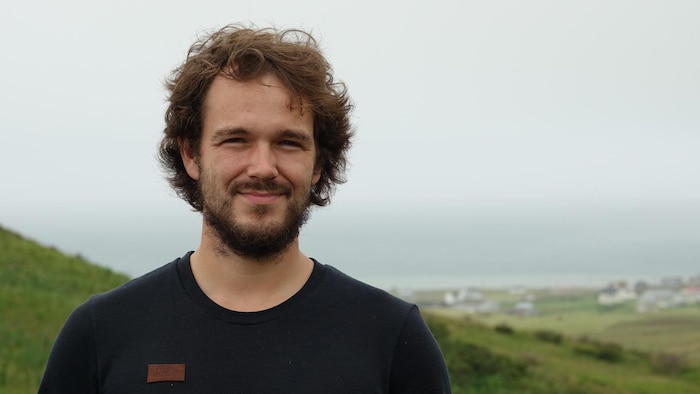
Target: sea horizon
(401, 248)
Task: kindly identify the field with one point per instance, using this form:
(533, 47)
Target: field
(523, 361)
(571, 345)
(575, 313)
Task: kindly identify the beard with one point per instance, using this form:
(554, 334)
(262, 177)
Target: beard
(260, 242)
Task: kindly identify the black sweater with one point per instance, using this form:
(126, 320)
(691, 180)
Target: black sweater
(336, 335)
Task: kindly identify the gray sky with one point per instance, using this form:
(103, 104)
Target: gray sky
(458, 103)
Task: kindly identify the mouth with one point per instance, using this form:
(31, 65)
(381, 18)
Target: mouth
(262, 193)
(260, 197)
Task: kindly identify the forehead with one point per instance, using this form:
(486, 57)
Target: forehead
(264, 88)
(264, 101)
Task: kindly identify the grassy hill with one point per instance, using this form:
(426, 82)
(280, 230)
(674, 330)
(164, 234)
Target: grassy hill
(501, 359)
(39, 287)
(577, 313)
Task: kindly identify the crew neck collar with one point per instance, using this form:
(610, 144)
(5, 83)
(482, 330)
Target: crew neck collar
(197, 295)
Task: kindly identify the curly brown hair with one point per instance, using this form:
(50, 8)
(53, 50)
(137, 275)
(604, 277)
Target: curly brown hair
(244, 54)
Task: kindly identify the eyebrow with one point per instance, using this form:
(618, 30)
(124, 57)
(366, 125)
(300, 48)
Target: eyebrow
(240, 131)
(225, 133)
(297, 135)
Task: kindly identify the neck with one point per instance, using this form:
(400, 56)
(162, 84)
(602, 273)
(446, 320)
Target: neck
(245, 284)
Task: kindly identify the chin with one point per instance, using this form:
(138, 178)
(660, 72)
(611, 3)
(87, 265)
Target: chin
(262, 225)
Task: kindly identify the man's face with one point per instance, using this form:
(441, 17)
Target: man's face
(256, 165)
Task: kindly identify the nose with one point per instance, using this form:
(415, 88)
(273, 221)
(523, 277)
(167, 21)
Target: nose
(262, 163)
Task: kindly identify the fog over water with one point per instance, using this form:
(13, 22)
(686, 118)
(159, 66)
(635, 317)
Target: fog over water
(434, 247)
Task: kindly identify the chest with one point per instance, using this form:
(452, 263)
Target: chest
(217, 357)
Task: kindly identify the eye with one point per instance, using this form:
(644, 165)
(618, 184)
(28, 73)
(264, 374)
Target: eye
(235, 140)
(290, 143)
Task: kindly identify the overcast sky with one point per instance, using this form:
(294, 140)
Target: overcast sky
(458, 103)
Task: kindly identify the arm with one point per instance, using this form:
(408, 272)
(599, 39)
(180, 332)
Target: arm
(72, 364)
(418, 365)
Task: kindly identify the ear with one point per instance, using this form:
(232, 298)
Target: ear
(189, 159)
(316, 176)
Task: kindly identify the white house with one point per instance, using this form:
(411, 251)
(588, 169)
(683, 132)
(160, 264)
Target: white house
(658, 299)
(616, 294)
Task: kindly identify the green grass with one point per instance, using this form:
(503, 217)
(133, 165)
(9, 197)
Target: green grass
(575, 313)
(569, 366)
(673, 331)
(39, 287)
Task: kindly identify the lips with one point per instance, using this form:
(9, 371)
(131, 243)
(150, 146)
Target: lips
(261, 192)
(257, 197)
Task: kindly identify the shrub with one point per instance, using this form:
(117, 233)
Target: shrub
(504, 328)
(476, 366)
(606, 351)
(611, 352)
(669, 363)
(439, 329)
(549, 336)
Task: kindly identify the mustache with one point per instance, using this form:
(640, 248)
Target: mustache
(265, 186)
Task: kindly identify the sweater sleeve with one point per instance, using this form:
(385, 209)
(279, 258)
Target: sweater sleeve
(418, 365)
(71, 367)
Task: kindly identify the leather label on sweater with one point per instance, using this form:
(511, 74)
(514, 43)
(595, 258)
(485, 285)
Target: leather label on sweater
(166, 373)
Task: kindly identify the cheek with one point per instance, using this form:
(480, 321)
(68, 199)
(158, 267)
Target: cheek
(225, 166)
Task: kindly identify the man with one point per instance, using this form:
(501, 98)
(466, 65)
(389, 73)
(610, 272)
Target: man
(256, 132)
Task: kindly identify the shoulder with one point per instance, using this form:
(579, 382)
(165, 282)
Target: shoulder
(125, 296)
(346, 290)
(356, 287)
(136, 294)
(99, 325)
(417, 363)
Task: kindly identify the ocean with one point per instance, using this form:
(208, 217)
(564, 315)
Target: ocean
(430, 247)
